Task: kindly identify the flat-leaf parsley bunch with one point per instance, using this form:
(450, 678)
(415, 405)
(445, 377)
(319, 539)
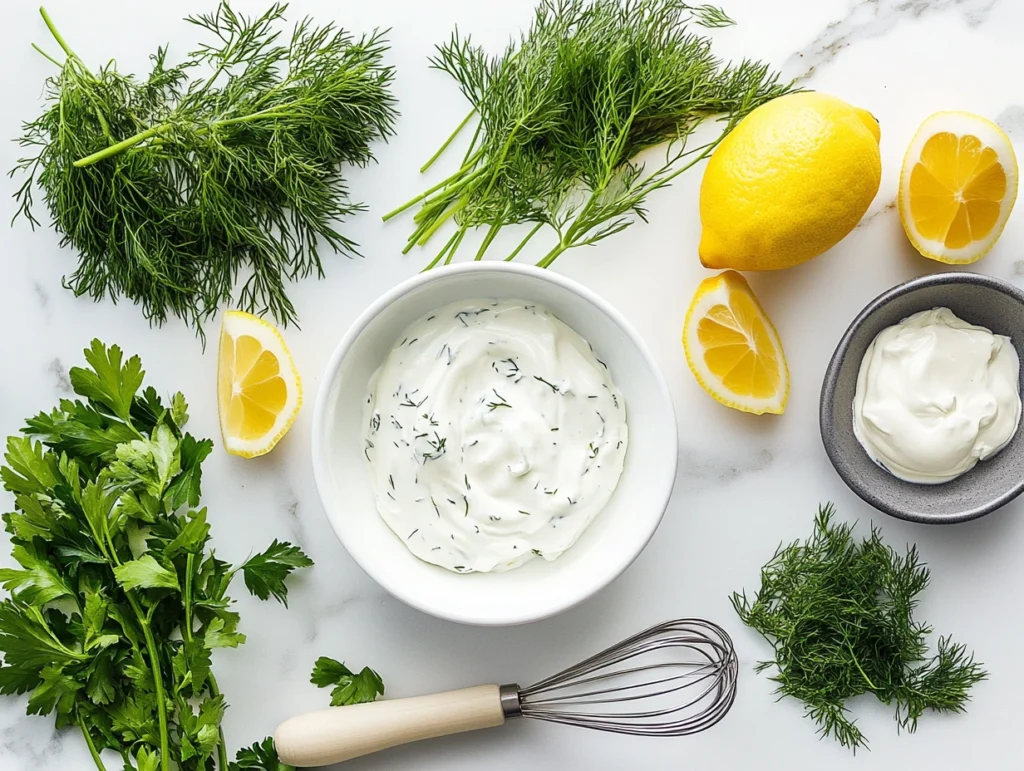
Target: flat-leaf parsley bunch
(119, 601)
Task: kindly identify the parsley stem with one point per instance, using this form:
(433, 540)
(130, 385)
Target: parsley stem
(187, 632)
(222, 750)
(90, 744)
(187, 596)
(158, 681)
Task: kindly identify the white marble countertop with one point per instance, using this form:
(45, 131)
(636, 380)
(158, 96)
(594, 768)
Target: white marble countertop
(745, 483)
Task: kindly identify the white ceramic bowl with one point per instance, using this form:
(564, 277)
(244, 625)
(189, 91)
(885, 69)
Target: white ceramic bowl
(540, 588)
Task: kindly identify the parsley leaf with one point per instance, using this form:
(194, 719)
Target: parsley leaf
(349, 688)
(108, 383)
(39, 582)
(184, 490)
(262, 757)
(265, 573)
(147, 573)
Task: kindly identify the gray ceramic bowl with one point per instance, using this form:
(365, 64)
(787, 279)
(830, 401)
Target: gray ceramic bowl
(992, 483)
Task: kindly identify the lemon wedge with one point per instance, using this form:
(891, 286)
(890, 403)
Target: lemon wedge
(259, 391)
(957, 187)
(732, 348)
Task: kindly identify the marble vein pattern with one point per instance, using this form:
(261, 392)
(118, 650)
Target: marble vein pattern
(745, 484)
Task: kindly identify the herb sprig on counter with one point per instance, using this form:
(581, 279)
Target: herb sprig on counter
(169, 186)
(839, 615)
(118, 601)
(563, 113)
(348, 687)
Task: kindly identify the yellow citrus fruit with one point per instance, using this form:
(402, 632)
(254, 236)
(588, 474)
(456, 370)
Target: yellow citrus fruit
(732, 348)
(788, 183)
(957, 187)
(259, 391)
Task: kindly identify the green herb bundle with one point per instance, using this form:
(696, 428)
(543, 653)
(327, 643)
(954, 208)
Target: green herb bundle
(839, 615)
(562, 115)
(118, 602)
(169, 186)
(347, 686)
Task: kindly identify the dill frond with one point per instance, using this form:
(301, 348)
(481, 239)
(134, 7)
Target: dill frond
(839, 616)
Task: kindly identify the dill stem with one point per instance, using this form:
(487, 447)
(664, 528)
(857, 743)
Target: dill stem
(576, 230)
(411, 241)
(437, 204)
(553, 255)
(491, 233)
(856, 663)
(524, 242)
(91, 745)
(472, 142)
(443, 218)
(451, 191)
(501, 159)
(104, 126)
(455, 247)
(447, 142)
(155, 131)
(56, 35)
(47, 56)
(124, 144)
(704, 151)
(443, 252)
(454, 178)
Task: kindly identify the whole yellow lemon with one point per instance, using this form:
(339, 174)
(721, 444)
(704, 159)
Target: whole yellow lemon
(789, 182)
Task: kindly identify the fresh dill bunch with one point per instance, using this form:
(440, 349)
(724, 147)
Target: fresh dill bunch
(169, 187)
(562, 114)
(839, 615)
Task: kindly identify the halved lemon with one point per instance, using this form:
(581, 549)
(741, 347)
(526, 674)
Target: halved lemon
(732, 348)
(957, 187)
(259, 391)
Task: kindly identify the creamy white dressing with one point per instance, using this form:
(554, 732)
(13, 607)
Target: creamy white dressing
(493, 435)
(935, 395)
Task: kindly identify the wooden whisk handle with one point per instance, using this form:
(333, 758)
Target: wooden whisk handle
(342, 733)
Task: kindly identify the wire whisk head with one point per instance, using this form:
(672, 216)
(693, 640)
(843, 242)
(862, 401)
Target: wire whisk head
(673, 679)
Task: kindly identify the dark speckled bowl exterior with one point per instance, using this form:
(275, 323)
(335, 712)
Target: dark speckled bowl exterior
(992, 483)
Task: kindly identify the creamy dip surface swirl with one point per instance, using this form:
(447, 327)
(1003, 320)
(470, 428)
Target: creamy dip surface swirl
(493, 435)
(935, 395)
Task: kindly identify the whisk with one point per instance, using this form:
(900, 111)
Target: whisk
(673, 679)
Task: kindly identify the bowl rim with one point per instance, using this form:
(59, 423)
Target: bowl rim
(659, 498)
(828, 389)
